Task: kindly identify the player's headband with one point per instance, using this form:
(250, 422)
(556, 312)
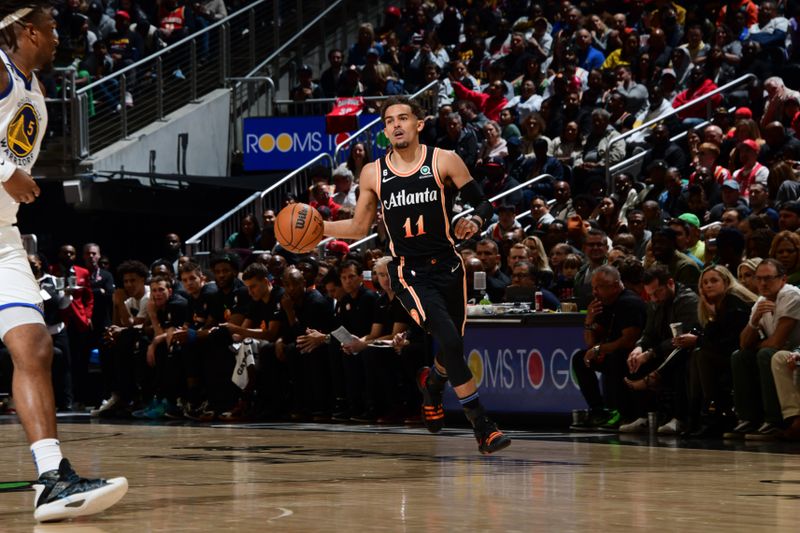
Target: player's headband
(14, 17)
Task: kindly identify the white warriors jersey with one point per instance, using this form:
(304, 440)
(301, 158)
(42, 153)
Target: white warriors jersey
(23, 121)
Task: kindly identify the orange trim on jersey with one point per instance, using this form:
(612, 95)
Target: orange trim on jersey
(410, 289)
(464, 275)
(416, 169)
(435, 170)
(380, 204)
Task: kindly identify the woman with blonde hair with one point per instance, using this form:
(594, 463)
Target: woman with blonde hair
(538, 258)
(723, 311)
(786, 249)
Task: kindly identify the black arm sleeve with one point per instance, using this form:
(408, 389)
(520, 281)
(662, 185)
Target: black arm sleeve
(472, 193)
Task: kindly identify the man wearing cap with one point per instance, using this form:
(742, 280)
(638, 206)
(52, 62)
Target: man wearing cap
(751, 171)
(668, 82)
(498, 181)
(305, 88)
(665, 249)
(100, 24)
(730, 200)
(506, 221)
(694, 244)
(124, 46)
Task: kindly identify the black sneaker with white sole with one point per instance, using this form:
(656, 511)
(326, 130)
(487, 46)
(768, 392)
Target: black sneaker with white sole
(61, 494)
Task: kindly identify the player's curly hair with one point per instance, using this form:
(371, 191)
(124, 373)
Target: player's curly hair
(13, 12)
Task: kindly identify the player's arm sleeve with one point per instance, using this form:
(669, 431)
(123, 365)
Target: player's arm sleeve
(472, 193)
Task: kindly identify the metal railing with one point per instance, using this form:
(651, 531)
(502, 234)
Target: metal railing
(109, 109)
(213, 236)
(470, 210)
(704, 98)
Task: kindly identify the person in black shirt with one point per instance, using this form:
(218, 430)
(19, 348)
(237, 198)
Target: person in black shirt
(356, 313)
(614, 322)
(262, 325)
(496, 280)
(306, 321)
(166, 313)
(414, 187)
(198, 322)
(231, 301)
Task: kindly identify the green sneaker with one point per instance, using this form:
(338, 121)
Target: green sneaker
(612, 421)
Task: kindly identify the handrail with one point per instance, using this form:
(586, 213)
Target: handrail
(677, 110)
(467, 211)
(327, 100)
(635, 157)
(293, 173)
(267, 79)
(196, 238)
(368, 126)
(285, 45)
(506, 193)
(173, 46)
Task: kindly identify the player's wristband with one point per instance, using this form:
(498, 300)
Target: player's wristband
(191, 335)
(7, 169)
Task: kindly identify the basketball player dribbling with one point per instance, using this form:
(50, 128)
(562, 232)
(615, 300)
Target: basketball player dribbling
(28, 41)
(415, 185)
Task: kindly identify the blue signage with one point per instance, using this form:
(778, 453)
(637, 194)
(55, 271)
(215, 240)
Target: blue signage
(523, 369)
(286, 143)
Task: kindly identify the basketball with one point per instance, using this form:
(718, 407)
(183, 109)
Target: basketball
(298, 228)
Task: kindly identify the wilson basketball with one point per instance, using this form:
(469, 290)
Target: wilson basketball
(298, 228)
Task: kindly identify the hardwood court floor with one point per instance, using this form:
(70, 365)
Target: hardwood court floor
(267, 477)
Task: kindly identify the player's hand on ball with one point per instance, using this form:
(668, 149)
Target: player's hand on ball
(465, 228)
(21, 187)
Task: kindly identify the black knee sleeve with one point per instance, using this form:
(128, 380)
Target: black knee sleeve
(451, 354)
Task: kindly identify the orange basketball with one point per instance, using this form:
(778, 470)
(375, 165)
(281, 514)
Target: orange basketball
(298, 228)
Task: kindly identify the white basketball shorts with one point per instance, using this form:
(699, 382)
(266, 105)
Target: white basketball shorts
(20, 300)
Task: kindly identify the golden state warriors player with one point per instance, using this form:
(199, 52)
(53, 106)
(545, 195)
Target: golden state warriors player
(28, 40)
(414, 186)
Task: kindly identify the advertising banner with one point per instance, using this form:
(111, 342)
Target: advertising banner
(286, 143)
(523, 369)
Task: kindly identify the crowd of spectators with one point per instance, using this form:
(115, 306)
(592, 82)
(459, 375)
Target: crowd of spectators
(525, 89)
(687, 260)
(100, 37)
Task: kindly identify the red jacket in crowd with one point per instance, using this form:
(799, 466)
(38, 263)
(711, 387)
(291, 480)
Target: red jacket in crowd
(487, 104)
(699, 110)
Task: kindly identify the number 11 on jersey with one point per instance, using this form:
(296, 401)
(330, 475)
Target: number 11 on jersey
(420, 227)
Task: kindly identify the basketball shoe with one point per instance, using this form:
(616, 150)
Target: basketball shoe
(490, 439)
(61, 494)
(432, 409)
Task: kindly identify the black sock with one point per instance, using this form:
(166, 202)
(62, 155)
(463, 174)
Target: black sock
(472, 407)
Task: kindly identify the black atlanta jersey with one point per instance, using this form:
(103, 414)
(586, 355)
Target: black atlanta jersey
(416, 207)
